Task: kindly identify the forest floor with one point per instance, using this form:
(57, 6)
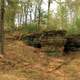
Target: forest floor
(22, 62)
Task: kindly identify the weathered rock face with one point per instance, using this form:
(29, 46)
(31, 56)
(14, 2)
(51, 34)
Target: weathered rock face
(47, 40)
(33, 39)
(72, 43)
(52, 40)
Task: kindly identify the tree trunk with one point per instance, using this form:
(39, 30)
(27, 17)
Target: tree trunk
(35, 14)
(49, 1)
(26, 15)
(39, 15)
(30, 17)
(2, 28)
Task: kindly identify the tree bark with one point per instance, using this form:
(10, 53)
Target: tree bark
(39, 14)
(49, 2)
(2, 27)
(35, 14)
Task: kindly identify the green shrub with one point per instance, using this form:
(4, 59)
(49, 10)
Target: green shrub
(54, 53)
(30, 27)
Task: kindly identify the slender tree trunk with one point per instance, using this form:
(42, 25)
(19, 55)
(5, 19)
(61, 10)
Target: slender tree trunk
(2, 28)
(23, 12)
(26, 15)
(20, 19)
(49, 2)
(30, 10)
(26, 11)
(35, 14)
(30, 16)
(13, 22)
(61, 17)
(39, 15)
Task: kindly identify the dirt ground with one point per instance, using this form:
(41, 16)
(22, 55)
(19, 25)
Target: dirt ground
(22, 62)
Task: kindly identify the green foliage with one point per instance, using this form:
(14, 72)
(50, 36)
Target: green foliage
(54, 53)
(49, 20)
(78, 22)
(75, 27)
(29, 28)
(10, 12)
(73, 30)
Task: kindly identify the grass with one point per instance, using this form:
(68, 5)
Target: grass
(54, 53)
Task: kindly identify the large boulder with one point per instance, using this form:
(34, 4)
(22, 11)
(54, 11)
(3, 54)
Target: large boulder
(72, 43)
